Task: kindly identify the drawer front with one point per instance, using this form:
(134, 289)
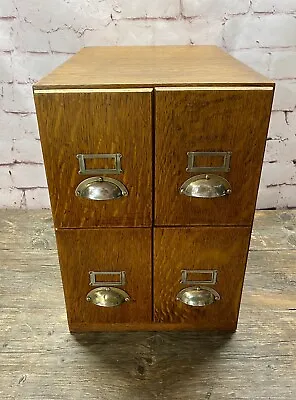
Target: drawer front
(210, 264)
(111, 131)
(215, 137)
(93, 260)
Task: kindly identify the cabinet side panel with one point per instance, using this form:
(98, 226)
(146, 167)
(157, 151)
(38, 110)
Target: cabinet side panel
(97, 122)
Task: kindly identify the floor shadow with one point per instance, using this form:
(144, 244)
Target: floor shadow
(156, 364)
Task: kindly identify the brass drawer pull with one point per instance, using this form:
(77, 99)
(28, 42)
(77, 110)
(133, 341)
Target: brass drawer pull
(198, 296)
(225, 167)
(99, 171)
(206, 186)
(107, 296)
(101, 188)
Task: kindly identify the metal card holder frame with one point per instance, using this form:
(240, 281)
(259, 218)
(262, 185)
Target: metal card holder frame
(93, 278)
(99, 171)
(211, 281)
(225, 167)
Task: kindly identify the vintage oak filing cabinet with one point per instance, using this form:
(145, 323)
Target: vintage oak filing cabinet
(153, 158)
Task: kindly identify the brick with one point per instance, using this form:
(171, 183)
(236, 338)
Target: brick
(105, 36)
(7, 9)
(6, 146)
(27, 150)
(287, 196)
(6, 96)
(284, 6)
(289, 154)
(267, 197)
(6, 35)
(6, 180)
(248, 31)
(20, 100)
(206, 31)
(9, 126)
(214, 8)
(18, 126)
(278, 128)
(283, 64)
(29, 68)
(273, 151)
(285, 95)
(170, 32)
(28, 176)
(258, 59)
(72, 14)
(291, 120)
(37, 198)
(135, 32)
(10, 198)
(30, 38)
(278, 174)
(145, 8)
(6, 68)
(28, 123)
(65, 41)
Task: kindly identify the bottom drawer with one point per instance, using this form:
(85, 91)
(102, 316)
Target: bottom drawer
(127, 252)
(210, 263)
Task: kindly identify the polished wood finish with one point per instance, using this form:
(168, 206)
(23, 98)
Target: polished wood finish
(84, 250)
(216, 119)
(96, 122)
(207, 248)
(105, 67)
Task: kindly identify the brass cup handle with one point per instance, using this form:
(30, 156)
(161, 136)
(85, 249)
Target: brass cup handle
(101, 188)
(198, 296)
(206, 186)
(106, 296)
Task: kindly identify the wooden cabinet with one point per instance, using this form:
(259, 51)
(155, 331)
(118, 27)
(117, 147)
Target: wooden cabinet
(153, 158)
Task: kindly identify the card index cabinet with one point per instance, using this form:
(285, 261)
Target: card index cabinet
(153, 158)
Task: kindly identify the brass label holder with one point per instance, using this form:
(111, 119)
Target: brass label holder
(213, 273)
(94, 276)
(99, 171)
(192, 155)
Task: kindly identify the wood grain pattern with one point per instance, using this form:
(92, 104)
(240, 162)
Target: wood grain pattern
(41, 360)
(207, 248)
(151, 66)
(94, 123)
(203, 120)
(83, 250)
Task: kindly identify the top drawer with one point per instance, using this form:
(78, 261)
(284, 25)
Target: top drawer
(201, 132)
(112, 124)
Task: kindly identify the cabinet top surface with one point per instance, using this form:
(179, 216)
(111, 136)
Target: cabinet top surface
(148, 66)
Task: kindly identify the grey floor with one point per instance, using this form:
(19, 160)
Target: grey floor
(41, 360)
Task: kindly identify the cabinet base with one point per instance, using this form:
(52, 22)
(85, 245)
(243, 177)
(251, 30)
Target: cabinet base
(78, 328)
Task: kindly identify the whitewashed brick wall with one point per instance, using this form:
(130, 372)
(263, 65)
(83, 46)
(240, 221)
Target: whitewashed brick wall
(37, 36)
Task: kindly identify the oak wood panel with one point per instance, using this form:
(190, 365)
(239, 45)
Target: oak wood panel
(129, 250)
(204, 120)
(207, 248)
(151, 66)
(91, 123)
